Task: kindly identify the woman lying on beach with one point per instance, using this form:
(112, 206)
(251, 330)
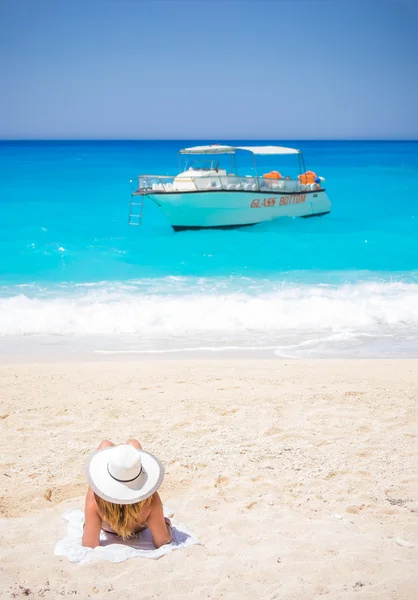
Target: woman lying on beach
(122, 497)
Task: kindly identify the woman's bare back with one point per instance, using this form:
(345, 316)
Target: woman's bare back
(151, 516)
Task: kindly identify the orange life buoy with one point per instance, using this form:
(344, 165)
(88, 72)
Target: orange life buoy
(308, 177)
(272, 175)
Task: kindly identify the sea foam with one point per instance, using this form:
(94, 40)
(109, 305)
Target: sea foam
(349, 309)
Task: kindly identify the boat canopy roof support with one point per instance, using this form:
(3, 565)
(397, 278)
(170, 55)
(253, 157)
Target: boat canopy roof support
(219, 149)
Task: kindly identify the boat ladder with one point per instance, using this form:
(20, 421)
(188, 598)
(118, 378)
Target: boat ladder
(136, 208)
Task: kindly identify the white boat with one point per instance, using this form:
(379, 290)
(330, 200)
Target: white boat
(213, 195)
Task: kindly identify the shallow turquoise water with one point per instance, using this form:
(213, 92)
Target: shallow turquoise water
(71, 267)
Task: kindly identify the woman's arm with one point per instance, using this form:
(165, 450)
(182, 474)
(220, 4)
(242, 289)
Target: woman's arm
(92, 522)
(159, 528)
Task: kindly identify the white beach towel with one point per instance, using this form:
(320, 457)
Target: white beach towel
(112, 548)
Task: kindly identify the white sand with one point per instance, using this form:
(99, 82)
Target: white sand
(298, 477)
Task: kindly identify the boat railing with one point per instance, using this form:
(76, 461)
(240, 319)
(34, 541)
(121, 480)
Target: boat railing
(247, 183)
(147, 184)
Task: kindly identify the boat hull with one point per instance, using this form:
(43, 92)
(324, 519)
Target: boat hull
(230, 209)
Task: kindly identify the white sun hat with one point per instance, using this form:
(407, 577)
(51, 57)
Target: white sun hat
(123, 474)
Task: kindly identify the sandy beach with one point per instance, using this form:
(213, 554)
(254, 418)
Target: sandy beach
(299, 478)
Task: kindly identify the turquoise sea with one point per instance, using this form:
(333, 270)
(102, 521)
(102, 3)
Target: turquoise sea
(75, 277)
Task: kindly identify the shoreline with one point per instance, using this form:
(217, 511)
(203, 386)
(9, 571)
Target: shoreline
(297, 476)
(131, 358)
(180, 357)
(45, 353)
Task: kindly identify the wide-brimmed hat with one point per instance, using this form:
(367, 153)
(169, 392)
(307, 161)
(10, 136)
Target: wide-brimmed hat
(123, 474)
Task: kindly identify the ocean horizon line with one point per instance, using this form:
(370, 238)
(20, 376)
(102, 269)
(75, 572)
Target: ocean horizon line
(124, 140)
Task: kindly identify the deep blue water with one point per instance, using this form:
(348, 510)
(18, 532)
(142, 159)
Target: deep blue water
(71, 266)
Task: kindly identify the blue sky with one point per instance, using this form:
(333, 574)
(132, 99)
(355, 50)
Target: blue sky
(209, 69)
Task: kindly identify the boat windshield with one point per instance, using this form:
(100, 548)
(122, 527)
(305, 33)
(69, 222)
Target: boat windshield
(203, 164)
(209, 163)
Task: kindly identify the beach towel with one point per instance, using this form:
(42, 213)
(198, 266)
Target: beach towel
(112, 548)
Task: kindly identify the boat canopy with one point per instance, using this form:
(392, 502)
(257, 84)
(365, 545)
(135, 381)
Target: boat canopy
(219, 149)
(213, 149)
(269, 149)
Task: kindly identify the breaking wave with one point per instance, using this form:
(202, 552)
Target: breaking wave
(360, 308)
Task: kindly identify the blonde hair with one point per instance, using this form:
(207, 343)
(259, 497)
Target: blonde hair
(122, 518)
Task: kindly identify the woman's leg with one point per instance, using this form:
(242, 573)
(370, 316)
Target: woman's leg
(135, 444)
(108, 443)
(105, 444)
